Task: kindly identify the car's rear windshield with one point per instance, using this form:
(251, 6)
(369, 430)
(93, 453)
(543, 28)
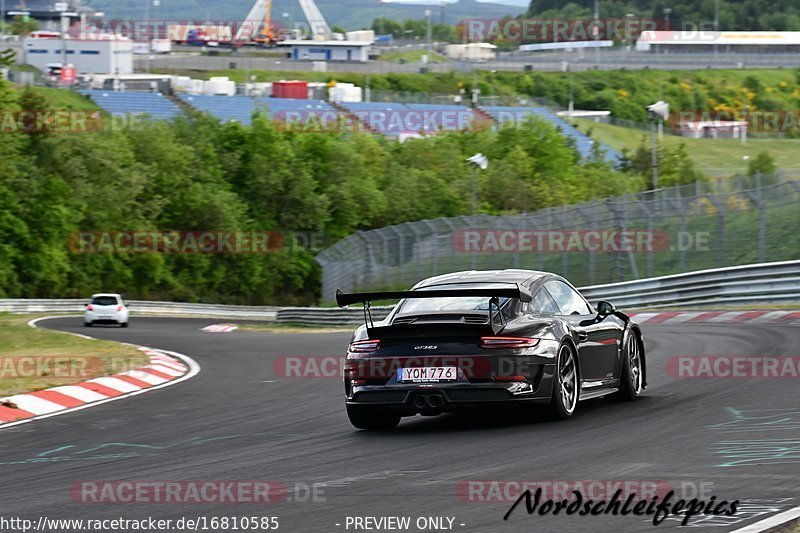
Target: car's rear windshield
(104, 300)
(454, 303)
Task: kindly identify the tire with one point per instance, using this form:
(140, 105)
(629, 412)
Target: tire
(123, 325)
(566, 384)
(365, 417)
(87, 324)
(632, 378)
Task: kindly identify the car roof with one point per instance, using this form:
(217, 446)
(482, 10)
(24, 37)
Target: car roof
(106, 294)
(512, 275)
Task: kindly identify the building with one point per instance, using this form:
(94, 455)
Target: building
(306, 50)
(106, 55)
(45, 12)
(714, 129)
(471, 51)
(725, 42)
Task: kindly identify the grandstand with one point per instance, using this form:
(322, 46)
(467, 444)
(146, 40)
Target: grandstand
(155, 105)
(242, 108)
(583, 143)
(396, 119)
(391, 119)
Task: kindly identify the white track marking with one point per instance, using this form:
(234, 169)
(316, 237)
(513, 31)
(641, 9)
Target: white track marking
(145, 376)
(34, 404)
(158, 367)
(769, 523)
(115, 383)
(726, 317)
(79, 393)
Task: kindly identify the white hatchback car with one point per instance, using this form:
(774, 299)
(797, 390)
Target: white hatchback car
(106, 309)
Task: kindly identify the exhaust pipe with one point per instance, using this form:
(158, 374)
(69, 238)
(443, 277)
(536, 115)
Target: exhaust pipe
(420, 402)
(435, 401)
(428, 401)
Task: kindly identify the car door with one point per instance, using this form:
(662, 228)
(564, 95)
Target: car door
(597, 340)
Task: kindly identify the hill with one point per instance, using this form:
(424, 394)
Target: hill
(740, 15)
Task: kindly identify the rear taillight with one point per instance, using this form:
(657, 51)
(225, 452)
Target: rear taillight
(89, 308)
(119, 308)
(515, 379)
(364, 346)
(508, 342)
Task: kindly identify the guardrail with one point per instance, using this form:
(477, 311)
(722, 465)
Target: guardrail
(328, 316)
(763, 283)
(142, 307)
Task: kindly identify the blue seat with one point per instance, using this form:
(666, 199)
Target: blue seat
(155, 105)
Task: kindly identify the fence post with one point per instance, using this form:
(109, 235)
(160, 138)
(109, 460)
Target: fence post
(682, 228)
(762, 220)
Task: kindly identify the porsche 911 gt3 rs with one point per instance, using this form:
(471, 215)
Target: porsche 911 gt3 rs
(482, 339)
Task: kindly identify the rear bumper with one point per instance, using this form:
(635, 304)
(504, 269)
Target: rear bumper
(105, 318)
(455, 396)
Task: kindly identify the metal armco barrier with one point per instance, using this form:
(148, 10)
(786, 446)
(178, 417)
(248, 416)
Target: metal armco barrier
(762, 283)
(328, 316)
(144, 308)
(759, 284)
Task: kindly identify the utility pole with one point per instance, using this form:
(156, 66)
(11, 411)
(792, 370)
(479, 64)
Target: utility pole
(368, 88)
(64, 28)
(477, 161)
(429, 29)
(655, 153)
(716, 25)
(596, 32)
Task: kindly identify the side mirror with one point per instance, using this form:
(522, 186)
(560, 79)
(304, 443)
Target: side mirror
(86, 305)
(605, 308)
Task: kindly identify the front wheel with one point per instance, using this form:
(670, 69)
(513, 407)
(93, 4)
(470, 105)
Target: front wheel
(123, 325)
(632, 379)
(565, 384)
(366, 417)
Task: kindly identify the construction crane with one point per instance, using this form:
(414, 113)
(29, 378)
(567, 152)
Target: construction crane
(261, 11)
(319, 27)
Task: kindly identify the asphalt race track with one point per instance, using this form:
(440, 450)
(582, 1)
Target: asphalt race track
(236, 420)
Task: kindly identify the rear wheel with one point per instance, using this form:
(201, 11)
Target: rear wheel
(565, 384)
(87, 324)
(123, 325)
(632, 379)
(366, 417)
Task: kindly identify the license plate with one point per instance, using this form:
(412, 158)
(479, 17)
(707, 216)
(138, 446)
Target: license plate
(430, 374)
(106, 317)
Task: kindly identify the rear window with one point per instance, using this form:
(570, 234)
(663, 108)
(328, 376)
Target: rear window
(104, 300)
(454, 303)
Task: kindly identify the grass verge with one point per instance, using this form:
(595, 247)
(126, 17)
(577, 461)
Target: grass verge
(715, 157)
(32, 359)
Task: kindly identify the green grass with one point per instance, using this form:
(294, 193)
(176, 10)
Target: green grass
(714, 157)
(412, 56)
(66, 99)
(51, 358)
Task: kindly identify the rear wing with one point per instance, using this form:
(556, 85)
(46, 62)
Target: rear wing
(494, 294)
(518, 291)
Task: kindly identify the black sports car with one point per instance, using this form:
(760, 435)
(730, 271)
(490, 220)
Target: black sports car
(482, 339)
